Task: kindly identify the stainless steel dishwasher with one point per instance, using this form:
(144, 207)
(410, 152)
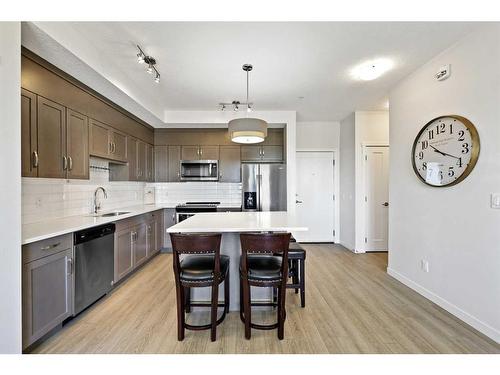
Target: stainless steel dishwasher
(94, 264)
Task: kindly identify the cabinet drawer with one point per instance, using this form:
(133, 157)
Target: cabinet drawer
(41, 249)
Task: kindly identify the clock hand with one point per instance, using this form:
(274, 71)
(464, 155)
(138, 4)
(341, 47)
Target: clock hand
(443, 153)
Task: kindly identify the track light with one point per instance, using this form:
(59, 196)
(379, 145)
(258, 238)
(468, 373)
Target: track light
(142, 58)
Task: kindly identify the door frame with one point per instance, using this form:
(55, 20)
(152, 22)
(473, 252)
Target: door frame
(336, 184)
(363, 212)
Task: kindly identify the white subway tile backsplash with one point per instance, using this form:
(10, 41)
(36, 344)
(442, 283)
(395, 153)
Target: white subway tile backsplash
(47, 198)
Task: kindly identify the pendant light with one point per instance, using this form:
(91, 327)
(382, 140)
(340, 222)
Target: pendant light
(247, 130)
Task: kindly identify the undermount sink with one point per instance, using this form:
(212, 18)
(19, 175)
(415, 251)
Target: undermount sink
(116, 213)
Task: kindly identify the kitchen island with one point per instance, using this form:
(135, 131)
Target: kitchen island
(231, 224)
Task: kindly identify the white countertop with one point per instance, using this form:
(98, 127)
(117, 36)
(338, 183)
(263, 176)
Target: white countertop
(46, 229)
(223, 222)
(55, 227)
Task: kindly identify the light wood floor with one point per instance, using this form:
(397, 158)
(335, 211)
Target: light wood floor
(352, 306)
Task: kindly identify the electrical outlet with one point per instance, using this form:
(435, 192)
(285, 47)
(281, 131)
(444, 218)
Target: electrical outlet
(495, 200)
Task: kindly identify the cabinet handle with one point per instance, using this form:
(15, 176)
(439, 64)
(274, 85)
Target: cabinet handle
(70, 266)
(35, 159)
(109, 147)
(114, 148)
(70, 160)
(263, 152)
(65, 162)
(48, 247)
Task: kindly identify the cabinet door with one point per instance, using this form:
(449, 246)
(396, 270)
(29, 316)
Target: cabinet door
(169, 220)
(118, 146)
(141, 161)
(47, 294)
(151, 240)
(174, 166)
(150, 163)
(51, 138)
(160, 229)
(133, 168)
(229, 164)
(161, 163)
(272, 153)
(140, 244)
(29, 147)
(100, 142)
(190, 152)
(250, 153)
(77, 145)
(124, 261)
(209, 152)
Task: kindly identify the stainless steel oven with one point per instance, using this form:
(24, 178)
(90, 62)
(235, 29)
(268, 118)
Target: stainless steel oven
(199, 170)
(188, 209)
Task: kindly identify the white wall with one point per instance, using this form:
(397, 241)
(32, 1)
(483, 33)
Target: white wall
(371, 128)
(318, 135)
(10, 187)
(347, 182)
(453, 228)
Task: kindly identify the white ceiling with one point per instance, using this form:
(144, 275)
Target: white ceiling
(200, 62)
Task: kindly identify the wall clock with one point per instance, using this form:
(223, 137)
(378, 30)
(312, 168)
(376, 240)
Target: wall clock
(445, 151)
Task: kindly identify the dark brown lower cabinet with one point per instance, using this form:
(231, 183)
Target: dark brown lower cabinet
(140, 244)
(47, 287)
(169, 220)
(124, 253)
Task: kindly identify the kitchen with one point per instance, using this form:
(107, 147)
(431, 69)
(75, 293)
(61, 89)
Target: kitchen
(224, 222)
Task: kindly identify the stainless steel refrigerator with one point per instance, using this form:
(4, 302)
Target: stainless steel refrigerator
(263, 187)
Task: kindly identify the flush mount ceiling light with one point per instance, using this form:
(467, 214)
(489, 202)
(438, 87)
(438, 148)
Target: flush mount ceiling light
(372, 69)
(142, 58)
(246, 130)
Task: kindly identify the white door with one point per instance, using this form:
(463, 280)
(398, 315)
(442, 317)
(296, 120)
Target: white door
(376, 198)
(315, 196)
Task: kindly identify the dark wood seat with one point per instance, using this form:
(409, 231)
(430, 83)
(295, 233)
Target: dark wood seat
(202, 267)
(263, 263)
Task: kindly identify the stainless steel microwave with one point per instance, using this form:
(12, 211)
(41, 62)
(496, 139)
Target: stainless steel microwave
(199, 170)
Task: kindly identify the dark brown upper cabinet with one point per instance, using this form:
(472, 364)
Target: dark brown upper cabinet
(174, 163)
(51, 139)
(264, 153)
(77, 144)
(106, 142)
(133, 172)
(200, 152)
(141, 161)
(161, 163)
(150, 163)
(29, 147)
(54, 139)
(229, 164)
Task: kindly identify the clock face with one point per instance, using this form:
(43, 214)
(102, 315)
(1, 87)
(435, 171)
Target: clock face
(445, 151)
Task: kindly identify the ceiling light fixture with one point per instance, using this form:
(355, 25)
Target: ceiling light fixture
(142, 58)
(247, 130)
(372, 69)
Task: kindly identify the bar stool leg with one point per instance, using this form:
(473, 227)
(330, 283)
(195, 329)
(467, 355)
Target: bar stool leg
(281, 312)
(180, 312)
(215, 301)
(247, 309)
(226, 294)
(187, 292)
(302, 283)
(295, 277)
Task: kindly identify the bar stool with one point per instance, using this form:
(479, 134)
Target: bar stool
(259, 270)
(205, 268)
(297, 264)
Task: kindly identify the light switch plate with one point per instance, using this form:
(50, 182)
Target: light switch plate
(495, 200)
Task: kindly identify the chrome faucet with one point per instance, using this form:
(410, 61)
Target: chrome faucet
(97, 206)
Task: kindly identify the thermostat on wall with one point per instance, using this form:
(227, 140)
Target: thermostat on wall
(443, 72)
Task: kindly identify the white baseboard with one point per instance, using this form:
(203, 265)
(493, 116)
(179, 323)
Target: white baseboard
(448, 306)
(348, 246)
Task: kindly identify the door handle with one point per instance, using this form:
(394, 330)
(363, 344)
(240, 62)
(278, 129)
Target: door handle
(35, 159)
(385, 204)
(297, 201)
(70, 266)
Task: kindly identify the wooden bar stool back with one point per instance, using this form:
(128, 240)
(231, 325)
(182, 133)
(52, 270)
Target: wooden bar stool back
(264, 263)
(202, 267)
